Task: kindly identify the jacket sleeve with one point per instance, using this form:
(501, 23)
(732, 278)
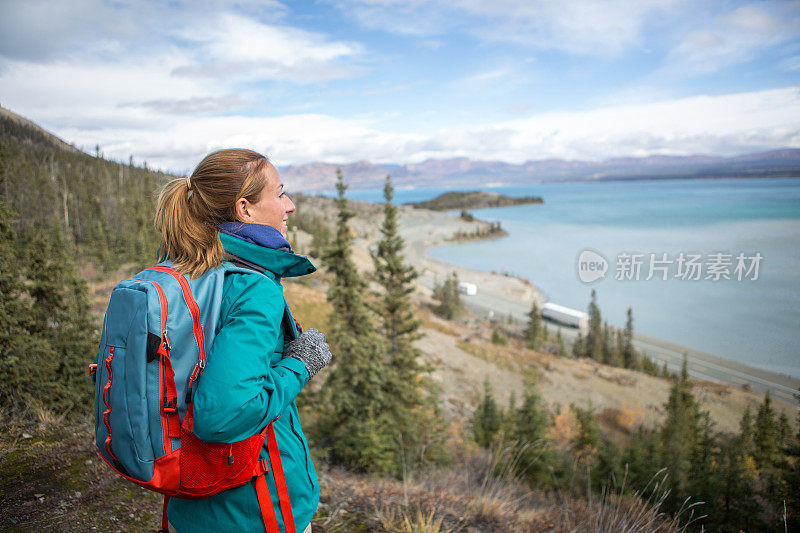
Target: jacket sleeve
(240, 392)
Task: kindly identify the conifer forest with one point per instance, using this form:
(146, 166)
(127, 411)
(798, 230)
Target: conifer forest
(377, 412)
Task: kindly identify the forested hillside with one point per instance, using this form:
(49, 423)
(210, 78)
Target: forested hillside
(59, 208)
(102, 207)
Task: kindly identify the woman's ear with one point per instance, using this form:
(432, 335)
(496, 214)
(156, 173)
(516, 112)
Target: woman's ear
(242, 208)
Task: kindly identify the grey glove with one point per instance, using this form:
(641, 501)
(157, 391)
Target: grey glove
(310, 347)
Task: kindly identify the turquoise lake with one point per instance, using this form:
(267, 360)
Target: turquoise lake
(753, 321)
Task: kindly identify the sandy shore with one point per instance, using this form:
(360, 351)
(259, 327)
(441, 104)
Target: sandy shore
(502, 296)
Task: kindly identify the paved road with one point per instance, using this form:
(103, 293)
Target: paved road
(700, 365)
(496, 295)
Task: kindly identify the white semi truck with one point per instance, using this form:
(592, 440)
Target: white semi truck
(566, 316)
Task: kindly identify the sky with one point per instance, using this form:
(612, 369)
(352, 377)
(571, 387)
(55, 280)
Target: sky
(402, 81)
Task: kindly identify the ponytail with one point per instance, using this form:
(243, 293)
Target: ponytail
(189, 210)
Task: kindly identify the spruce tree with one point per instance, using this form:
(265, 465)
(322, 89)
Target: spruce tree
(354, 426)
(593, 344)
(411, 409)
(530, 425)
(679, 436)
(765, 435)
(449, 298)
(26, 360)
(628, 351)
(562, 350)
(488, 418)
(768, 453)
(578, 346)
(791, 478)
(533, 330)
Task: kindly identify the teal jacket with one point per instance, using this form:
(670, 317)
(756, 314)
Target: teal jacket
(246, 384)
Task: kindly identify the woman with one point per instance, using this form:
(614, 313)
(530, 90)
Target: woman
(233, 207)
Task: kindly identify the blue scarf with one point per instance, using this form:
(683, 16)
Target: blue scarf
(259, 234)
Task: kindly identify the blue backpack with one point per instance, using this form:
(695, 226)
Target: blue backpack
(157, 329)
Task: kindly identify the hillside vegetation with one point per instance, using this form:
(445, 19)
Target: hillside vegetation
(493, 434)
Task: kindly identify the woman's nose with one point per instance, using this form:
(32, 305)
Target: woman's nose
(288, 205)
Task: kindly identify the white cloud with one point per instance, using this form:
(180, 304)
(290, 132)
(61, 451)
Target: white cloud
(244, 49)
(186, 59)
(585, 27)
(724, 125)
(736, 36)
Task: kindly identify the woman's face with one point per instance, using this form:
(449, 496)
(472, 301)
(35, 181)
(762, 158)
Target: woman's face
(272, 208)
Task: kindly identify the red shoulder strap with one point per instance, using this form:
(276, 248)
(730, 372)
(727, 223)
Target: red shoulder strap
(262, 491)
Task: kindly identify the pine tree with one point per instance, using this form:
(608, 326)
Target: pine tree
(530, 424)
(578, 349)
(354, 425)
(450, 305)
(704, 479)
(745, 442)
(562, 350)
(737, 508)
(410, 411)
(679, 436)
(533, 330)
(791, 478)
(643, 459)
(60, 316)
(488, 418)
(767, 451)
(629, 359)
(593, 346)
(765, 435)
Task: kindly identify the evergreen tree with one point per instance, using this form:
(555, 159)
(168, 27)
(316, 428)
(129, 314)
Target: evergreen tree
(530, 424)
(498, 337)
(355, 426)
(679, 436)
(578, 349)
(765, 435)
(450, 305)
(791, 478)
(768, 454)
(399, 328)
(562, 350)
(488, 418)
(588, 438)
(608, 354)
(736, 507)
(534, 328)
(46, 334)
(629, 359)
(593, 346)
(746, 443)
(703, 483)
(643, 459)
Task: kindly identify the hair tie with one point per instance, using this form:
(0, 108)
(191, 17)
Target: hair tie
(189, 182)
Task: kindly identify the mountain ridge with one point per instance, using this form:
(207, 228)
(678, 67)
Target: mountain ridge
(463, 172)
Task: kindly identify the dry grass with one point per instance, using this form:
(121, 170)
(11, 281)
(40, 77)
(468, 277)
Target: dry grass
(615, 511)
(476, 494)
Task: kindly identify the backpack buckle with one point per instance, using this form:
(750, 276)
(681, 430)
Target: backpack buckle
(170, 405)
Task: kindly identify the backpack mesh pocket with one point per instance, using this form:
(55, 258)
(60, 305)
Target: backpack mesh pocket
(210, 467)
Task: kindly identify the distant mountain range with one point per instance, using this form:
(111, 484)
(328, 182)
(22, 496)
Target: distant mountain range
(462, 172)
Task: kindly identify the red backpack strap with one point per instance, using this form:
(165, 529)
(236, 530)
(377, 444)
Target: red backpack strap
(262, 491)
(280, 480)
(164, 521)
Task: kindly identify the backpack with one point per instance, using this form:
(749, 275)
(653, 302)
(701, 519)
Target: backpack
(156, 331)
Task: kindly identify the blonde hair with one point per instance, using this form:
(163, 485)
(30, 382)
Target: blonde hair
(189, 210)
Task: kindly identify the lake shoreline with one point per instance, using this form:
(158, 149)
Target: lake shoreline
(504, 295)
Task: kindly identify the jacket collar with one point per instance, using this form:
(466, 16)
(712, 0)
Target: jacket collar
(281, 264)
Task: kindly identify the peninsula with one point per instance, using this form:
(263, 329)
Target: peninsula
(473, 200)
